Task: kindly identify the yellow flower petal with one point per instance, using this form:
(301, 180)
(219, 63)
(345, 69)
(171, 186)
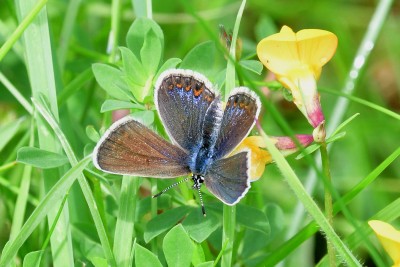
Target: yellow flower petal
(316, 48)
(278, 52)
(259, 157)
(287, 51)
(389, 238)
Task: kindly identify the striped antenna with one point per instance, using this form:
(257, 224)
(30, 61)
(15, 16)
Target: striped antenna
(169, 187)
(203, 209)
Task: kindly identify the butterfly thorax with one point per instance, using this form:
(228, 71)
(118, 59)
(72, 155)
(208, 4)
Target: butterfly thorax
(201, 157)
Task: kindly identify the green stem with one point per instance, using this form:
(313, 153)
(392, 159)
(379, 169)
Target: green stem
(115, 25)
(14, 91)
(228, 233)
(229, 212)
(328, 200)
(154, 208)
(21, 28)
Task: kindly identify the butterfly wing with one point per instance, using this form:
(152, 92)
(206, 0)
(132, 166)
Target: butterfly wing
(242, 108)
(130, 148)
(228, 179)
(182, 98)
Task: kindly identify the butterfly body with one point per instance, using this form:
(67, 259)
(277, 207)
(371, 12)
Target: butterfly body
(203, 135)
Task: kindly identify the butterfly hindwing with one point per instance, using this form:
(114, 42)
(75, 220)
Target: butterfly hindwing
(241, 110)
(130, 148)
(182, 98)
(228, 178)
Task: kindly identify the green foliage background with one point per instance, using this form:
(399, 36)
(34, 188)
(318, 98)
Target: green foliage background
(78, 73)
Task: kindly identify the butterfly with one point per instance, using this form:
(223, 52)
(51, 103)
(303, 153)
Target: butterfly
(203, 134)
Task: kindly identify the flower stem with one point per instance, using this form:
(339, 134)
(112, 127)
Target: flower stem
(328, 200)
(228, 233)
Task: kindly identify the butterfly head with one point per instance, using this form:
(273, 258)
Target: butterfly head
(198, 179)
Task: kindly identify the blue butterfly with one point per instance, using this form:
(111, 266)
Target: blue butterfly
(203, 134)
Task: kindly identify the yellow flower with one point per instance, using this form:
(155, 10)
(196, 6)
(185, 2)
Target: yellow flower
(297, 60)
(261, 157)
(389, 238)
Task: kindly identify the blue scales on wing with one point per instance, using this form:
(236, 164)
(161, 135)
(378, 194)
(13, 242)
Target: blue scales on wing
(182, 99)
(241, 111)
(228, 178)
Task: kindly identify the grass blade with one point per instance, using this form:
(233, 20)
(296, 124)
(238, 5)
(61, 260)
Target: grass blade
(55, 195)
(44, 111)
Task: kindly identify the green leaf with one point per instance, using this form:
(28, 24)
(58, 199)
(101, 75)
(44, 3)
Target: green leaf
(8, 131)
(111, 80)
(171, 63)
(32, 259)
(343, 124)
(198, 255)
(252, 65)
(111, 104)
(40, 158)
(178, 247)
(137, 33)
(335, 137)
(201, 58)
(92, 133)
(99, 262)
(132, 67)
(146, 117)
(164, 221)
(308, 150)
(199, 227)
(287, 94)
(150, 54)
(206, 264)
(144, 258)
(259, 220)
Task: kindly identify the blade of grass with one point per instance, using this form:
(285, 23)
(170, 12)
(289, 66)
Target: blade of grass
(46, 205)
(14, 91)
(289, 246)
(44, 111)
(66, 31)
(388, 214)
(20, 206)
(74, 86)
(21, 28)
(124, 229)
(15, 190)
(41, 72)
(308, 203)
(362, 55)
(363, 102)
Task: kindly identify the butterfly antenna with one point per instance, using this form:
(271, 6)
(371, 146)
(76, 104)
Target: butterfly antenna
(203, 209)
(169, 187)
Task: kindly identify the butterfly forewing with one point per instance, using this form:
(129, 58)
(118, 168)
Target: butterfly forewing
(182, 98)
(228, 178)
(130, 148)
(241, 110)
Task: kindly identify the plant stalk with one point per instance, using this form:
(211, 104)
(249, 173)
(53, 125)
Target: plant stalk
(328, 200)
